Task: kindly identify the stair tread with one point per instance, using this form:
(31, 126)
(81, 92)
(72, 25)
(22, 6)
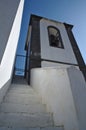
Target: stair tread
(20, 86)
(19, 101)
(25, 120)
(19, 90)
(28, 95)
(19, 80)
(29, 108)
(22, 99)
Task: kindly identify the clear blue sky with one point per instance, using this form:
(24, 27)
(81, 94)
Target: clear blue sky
(69, 11)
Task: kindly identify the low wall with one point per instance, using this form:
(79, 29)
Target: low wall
(4, 89)
(78, 88)
(54, 87)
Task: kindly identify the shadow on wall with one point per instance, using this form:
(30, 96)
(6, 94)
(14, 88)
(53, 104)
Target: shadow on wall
(55, 87)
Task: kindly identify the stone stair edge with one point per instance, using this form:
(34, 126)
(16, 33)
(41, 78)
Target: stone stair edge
(33, 128)
(27, 114)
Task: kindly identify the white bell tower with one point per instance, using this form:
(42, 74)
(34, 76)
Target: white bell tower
(57, 71)
(52, 44)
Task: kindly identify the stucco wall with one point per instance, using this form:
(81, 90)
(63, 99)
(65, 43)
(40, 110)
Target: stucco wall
(78, 87)
(7, 63)
(52, 53)
(8, 9)
(53, 85)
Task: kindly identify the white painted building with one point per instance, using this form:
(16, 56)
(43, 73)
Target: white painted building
(52, 44)
(57, 71)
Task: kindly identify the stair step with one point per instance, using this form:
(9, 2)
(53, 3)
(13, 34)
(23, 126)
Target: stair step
(19, 80)
(20, 85)
(21, 90)
(30, 95)
(23, 99)
(25, 120)
(22, 95)
(36, 128)
(15, 108)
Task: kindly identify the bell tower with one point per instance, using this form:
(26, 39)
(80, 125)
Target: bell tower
(51, 44)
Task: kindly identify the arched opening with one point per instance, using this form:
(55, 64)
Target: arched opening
(55, 39)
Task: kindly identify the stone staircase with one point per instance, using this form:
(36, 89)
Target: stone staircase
(22, 109)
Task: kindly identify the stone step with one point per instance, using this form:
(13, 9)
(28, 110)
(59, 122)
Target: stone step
(22, 98)
(21, 90)
(15, 108)
(19, 80)
(20, 86)
(36, 128)
(28, 95)
(25, 120)
(22, 95)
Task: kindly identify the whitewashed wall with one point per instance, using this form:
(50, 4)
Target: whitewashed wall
(8, 10)
(64, 92)
(51, 53)
(78, 87)
(7, 63)
(53, 85)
